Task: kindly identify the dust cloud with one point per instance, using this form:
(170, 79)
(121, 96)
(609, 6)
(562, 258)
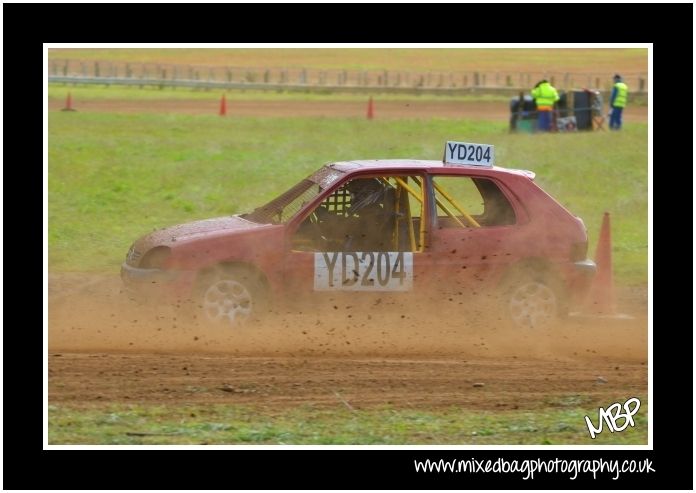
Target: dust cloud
(91, 313)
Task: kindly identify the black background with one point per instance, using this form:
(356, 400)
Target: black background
(27, 26)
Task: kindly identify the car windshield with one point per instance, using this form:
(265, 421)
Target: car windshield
(283, 208)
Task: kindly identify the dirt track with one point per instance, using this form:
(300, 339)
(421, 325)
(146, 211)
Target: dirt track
(494, 111)
(88, 378)
(102, 349)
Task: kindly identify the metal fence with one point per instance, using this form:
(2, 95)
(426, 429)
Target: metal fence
(197, 76)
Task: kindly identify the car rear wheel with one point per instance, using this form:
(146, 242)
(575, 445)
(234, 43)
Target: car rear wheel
(230, 296)
(532, 300)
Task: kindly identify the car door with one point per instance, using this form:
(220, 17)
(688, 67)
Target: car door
(473, 233)
(366, 237)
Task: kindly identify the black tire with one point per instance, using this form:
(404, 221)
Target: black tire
(532, 299)
(230, 297)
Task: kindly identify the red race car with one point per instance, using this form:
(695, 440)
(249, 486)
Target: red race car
(376, 228)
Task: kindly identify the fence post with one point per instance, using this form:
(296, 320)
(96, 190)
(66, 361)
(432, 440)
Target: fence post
(266, 76)
(228, 74)
(552, 80)
(83, 69)
(483, 80)
(566, 77)
(641, 84)
(65, 68)
(96, 69)
(476, 79)
(129, 73)
(465, 80)
(508, 80)
(597, 83)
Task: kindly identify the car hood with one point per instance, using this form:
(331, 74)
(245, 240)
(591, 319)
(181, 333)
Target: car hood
(182, 232)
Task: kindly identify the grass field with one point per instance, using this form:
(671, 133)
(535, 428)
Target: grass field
(576, 60)
(114, 177)
(144, 424)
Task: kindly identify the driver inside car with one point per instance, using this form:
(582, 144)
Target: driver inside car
(366, 223)
(369, 216)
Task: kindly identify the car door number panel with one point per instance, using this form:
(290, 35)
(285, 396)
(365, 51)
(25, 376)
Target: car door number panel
(363, 271)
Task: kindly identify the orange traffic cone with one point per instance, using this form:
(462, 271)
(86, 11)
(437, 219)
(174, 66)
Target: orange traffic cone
(68, 103)
(601, 300)
(223, 106)
(370, 109)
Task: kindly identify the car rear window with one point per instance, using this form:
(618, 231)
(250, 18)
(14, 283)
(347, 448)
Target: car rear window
(463, 201)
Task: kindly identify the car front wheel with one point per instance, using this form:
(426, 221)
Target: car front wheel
(230, 297)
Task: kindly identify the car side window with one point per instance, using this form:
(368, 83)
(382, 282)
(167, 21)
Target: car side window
(375, 214)
(466, 202)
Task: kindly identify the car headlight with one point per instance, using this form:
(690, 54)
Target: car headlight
(155, 258)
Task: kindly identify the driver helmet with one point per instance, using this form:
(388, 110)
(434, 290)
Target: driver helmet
(365, 192)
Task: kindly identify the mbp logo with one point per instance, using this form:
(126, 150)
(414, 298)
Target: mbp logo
(613, 414)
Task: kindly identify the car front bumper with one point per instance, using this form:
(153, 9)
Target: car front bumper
(155, 283)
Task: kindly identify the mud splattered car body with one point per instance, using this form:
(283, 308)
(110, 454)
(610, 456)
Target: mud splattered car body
(375, 228)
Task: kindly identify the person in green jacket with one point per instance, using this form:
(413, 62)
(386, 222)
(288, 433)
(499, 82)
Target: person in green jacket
(545, 96)
(617, 102)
